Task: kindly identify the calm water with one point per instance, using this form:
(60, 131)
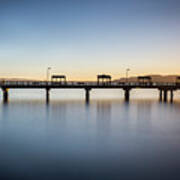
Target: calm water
(107, 139)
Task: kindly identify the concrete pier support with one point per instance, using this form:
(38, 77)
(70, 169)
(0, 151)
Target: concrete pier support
(160, 95)
(165, 95)
(126, 94)
(171, 96)
(87, 94)
(47, 95)
(5, 95)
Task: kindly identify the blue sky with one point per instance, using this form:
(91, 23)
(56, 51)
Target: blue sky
(81, 38)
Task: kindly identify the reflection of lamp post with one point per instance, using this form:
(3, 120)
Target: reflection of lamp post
(127, 70)
(48, 71)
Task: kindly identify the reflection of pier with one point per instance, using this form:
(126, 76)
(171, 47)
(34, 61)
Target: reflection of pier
(59, 112)
(103, 82)
(144, 116)
(104, 117)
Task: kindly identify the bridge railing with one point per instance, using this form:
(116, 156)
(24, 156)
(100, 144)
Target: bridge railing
(74, 83)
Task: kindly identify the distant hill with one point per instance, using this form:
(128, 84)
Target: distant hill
(16, 79)
(155, 78)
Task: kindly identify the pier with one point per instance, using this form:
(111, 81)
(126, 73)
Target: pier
(163, 88)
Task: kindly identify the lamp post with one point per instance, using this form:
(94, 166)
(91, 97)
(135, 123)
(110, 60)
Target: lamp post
(48, 72)
(127, 70)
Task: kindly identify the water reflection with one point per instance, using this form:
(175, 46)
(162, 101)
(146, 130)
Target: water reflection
(144, 116)
(4, 115)
(57, 112)
(103, 118)
(105, 140)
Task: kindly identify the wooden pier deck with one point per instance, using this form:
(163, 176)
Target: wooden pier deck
(163, 88)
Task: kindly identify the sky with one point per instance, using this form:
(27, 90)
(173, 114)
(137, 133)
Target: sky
(83, 38)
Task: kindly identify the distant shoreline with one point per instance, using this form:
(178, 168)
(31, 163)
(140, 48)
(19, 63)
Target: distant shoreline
(155, 78)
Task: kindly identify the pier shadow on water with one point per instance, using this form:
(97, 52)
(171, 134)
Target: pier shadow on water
(106, 139)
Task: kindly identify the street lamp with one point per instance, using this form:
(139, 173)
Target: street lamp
(127, 70)
(48, 72)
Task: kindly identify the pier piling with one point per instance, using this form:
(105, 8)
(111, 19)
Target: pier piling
(87, 94)
(165, 95)
(160, 95)
(5, 95)
(47, 95)
(126, 94)
(171, 96)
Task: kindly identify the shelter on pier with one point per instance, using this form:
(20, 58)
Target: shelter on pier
(58, 78)
(104, 79)
(144, 79)
(178, 79)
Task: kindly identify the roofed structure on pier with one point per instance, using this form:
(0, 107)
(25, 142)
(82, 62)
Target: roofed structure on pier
(178, 79)
(103, 78)
(58, 78)
(144, 79)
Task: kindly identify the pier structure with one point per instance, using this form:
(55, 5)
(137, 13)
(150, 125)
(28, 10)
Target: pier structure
(164, 89)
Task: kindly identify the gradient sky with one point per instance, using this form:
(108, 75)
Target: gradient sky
(81, 38)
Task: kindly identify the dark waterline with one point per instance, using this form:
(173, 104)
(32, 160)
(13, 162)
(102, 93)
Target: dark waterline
(107, 139)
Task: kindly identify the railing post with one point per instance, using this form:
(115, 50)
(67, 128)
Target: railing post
(47, 95)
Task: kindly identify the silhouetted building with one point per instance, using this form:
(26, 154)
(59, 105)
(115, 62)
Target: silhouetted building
(104, 79)
(58, 78)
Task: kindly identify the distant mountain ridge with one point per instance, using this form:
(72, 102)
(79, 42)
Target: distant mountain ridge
(17, 79)
(155, 78)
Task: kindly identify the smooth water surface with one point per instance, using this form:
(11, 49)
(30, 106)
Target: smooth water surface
(107, 139)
